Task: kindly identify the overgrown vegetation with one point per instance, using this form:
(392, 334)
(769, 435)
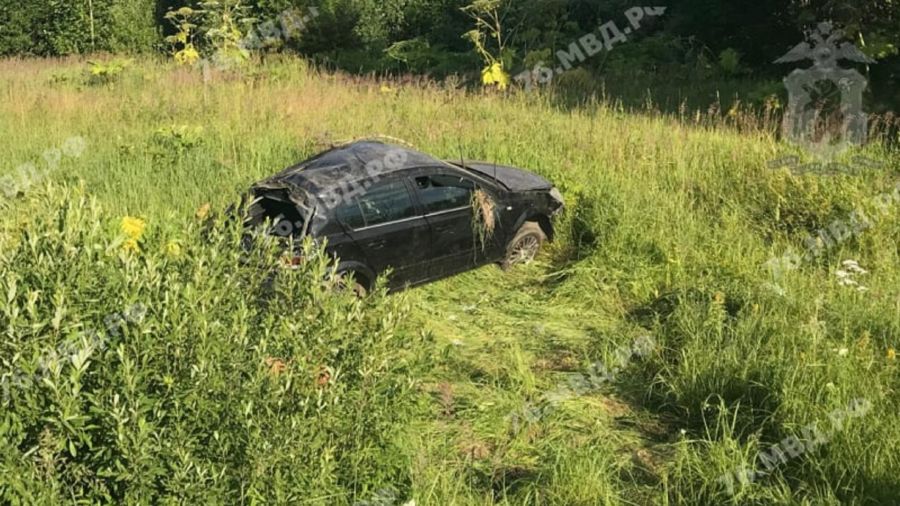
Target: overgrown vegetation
(202, 395)
(231, 388)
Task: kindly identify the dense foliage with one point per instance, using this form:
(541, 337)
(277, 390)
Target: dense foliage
(145, 367)
(695, 41)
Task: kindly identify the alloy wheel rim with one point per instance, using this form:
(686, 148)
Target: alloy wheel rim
(525, 250)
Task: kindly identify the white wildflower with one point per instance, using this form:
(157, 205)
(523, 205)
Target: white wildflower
(853, 266)
(846, 275)
(847, 282)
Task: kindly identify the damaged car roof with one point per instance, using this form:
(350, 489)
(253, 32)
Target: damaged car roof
(331, 167)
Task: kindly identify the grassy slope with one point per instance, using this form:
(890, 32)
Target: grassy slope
(668, 228)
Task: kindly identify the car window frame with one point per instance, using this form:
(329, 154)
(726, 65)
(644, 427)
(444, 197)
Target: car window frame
(402, 180)
(441, 171)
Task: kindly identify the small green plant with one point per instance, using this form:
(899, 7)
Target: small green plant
(68, 76)
(173, 141)
(730, 62)
(414, 53)
(106, 72)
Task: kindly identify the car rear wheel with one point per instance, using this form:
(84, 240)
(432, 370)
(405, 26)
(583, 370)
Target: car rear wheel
(348, 280)
(524, 246)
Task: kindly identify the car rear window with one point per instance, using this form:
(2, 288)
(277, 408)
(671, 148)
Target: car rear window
(382, 203)
(285, 218)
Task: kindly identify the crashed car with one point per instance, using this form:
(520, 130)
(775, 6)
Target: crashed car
(384, 209)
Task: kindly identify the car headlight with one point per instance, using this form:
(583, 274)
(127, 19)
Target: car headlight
(558, 198)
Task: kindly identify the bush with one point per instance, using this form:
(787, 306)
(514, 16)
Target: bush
(133, 373)
(106, 72)
(60, 27)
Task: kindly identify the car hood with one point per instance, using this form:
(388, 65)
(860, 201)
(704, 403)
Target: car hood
(514, 179)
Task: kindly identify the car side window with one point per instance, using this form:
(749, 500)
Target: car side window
(382, 203)
(351, 214)
(444, 192)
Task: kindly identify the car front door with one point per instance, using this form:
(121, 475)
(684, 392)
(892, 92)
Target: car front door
(447, 201)
(390, 230)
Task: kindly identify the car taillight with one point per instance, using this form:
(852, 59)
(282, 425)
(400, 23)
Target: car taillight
(292, 261)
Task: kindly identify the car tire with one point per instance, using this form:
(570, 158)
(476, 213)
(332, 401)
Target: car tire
(524, 246)
(350, 280)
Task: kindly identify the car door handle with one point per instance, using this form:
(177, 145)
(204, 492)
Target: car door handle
(378, 244)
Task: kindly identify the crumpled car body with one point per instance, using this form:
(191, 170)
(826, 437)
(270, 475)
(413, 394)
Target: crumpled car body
(383, 209)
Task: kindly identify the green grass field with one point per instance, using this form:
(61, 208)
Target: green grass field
(536, 386)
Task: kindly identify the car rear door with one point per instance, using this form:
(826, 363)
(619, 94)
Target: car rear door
(390, 230)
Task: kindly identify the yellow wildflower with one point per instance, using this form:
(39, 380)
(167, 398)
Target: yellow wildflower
(173, 249)
(131, 245)
(891, 354)
(133, 228)
(187, 56)
(494, 74)
(203, 211)
(386, 89)
(864, 339)
(719, 298)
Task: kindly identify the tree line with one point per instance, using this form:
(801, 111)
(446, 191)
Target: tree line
(695, 39)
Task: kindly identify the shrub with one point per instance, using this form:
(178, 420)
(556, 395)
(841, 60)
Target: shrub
(106, 72)
(140, 375)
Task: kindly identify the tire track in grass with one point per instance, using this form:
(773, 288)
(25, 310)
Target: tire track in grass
(502, 340)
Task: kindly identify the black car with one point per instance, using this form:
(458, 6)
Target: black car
(386, 208)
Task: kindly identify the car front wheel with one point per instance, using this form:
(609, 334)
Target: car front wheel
(524, 245)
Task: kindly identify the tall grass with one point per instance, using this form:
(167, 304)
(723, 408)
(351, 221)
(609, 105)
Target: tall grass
(670, 223)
